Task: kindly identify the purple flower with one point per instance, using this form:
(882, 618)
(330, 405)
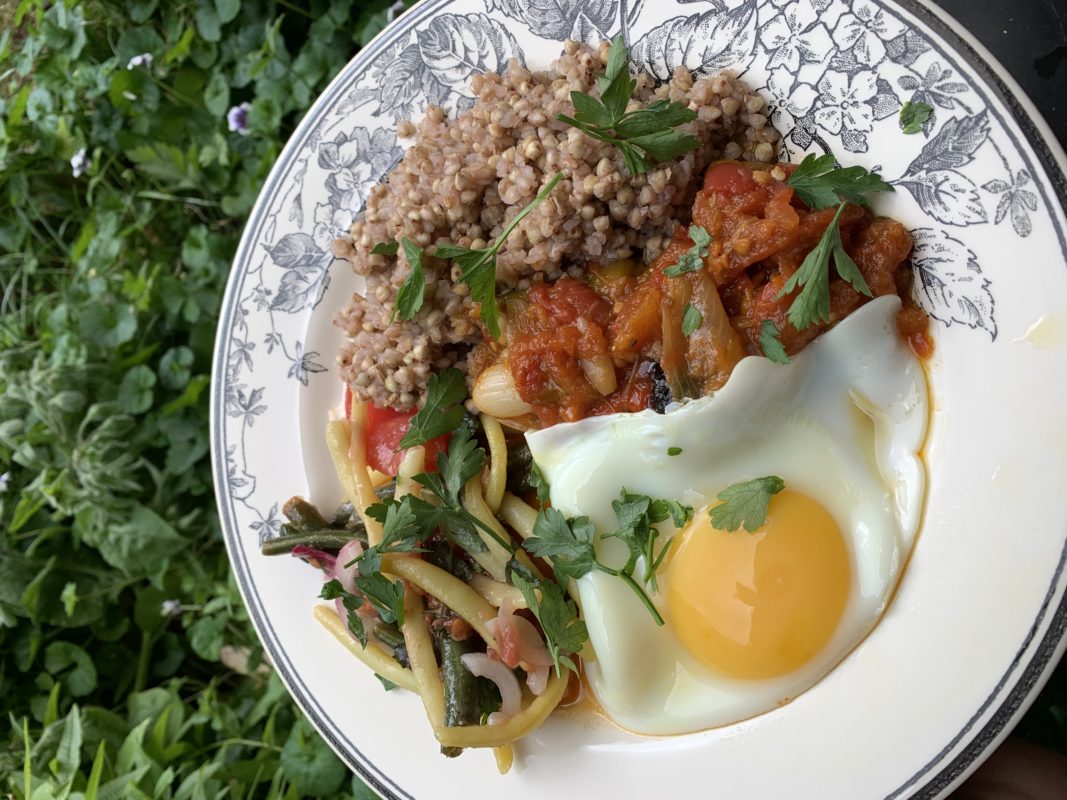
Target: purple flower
(143, 60)
(237, 118)
(78, 163)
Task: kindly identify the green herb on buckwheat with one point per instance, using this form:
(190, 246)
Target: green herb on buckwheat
(645, 135)
(479, 266)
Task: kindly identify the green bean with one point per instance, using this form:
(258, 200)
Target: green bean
(302, 515)
(460, 685)
(319, 539)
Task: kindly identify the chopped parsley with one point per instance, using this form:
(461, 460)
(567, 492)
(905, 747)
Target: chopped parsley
(771, 344)
(913, 116)
(691, 319)
(409, 298)
(693, 258)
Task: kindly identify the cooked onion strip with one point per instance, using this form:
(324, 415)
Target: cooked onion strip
(374, 656)
(482, 666)
(423, 661)
(523, 723)
(347, 449)
(495, 393)
(497, 474)
(447, 588)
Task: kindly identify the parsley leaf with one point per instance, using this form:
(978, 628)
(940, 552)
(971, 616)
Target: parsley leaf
(745, 504)
(479, 266)
(464, 459)
(537, 478)
(637, 515)
(332, 590)
(913, 116)
(644, 136)
(385, 596)
(693, 258)
(674, 451)
(812, 305)
(387, 684)
(385, 249)
(409, 298)
(691, 319)
(564, 632)
(442, 412)
(820, 185)
(569, 543)
(771, 344)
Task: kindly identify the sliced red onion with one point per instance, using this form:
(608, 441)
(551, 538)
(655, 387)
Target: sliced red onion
(518, 641)
(482, 666)
(326, 560)
(346, 575)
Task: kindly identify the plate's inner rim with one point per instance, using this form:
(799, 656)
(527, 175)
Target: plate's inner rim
(988, 84)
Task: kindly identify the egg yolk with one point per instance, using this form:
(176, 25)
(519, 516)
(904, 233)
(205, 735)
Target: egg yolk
(759, 605)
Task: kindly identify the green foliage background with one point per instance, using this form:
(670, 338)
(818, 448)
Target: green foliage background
(128, 667)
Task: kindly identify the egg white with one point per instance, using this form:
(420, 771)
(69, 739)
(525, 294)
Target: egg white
(843, 423)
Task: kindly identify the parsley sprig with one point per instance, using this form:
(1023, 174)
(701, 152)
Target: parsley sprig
(564, 632)
(442, 412)
(570, 542)
(644, 136)
(820, 185)
(464, 459)
(812, 305)
(745, 504)
(479, 266)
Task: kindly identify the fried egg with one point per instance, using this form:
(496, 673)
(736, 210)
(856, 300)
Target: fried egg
(752, 619)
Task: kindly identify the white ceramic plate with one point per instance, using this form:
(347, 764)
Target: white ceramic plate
(980, 615)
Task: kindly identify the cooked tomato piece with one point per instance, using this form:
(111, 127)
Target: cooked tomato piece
(385, 428)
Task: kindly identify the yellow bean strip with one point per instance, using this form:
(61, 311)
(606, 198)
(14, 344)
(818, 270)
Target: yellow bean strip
(413, 462)
(495, 592)
(518, 515)
(495, 561)
(373, 655)
(505, 755)
(497, 475)
(351, 466)
(423, 661)
(526, 721)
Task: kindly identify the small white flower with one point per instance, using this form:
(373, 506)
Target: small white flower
(143, 60)
(845, 101)
(78, 163)
(171, 608)
(237, 118)
(5, 479)
(129, 96)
